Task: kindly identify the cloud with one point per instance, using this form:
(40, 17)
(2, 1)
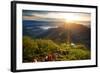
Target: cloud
(53, 16)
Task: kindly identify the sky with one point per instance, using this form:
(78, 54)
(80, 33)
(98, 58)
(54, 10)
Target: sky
(83, 18)
(34, 15)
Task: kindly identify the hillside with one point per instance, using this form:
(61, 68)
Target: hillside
(78, 33)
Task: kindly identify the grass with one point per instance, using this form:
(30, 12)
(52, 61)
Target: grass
(47, 50)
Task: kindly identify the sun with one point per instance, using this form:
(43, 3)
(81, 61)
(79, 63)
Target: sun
(71, 18)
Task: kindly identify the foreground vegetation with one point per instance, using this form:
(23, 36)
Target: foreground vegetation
(40, 50)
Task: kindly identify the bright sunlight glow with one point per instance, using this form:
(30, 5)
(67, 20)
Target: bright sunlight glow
(71, 18)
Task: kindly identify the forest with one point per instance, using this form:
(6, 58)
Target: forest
(42, 50)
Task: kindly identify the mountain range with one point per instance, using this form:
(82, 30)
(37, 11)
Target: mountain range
(60, 32)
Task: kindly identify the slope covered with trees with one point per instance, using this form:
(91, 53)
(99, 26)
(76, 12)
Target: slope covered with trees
(41, 50)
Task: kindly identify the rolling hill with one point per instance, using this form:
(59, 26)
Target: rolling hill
(78, 33)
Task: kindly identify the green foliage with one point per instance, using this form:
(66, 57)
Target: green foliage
(79, 54)
(40, 48)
